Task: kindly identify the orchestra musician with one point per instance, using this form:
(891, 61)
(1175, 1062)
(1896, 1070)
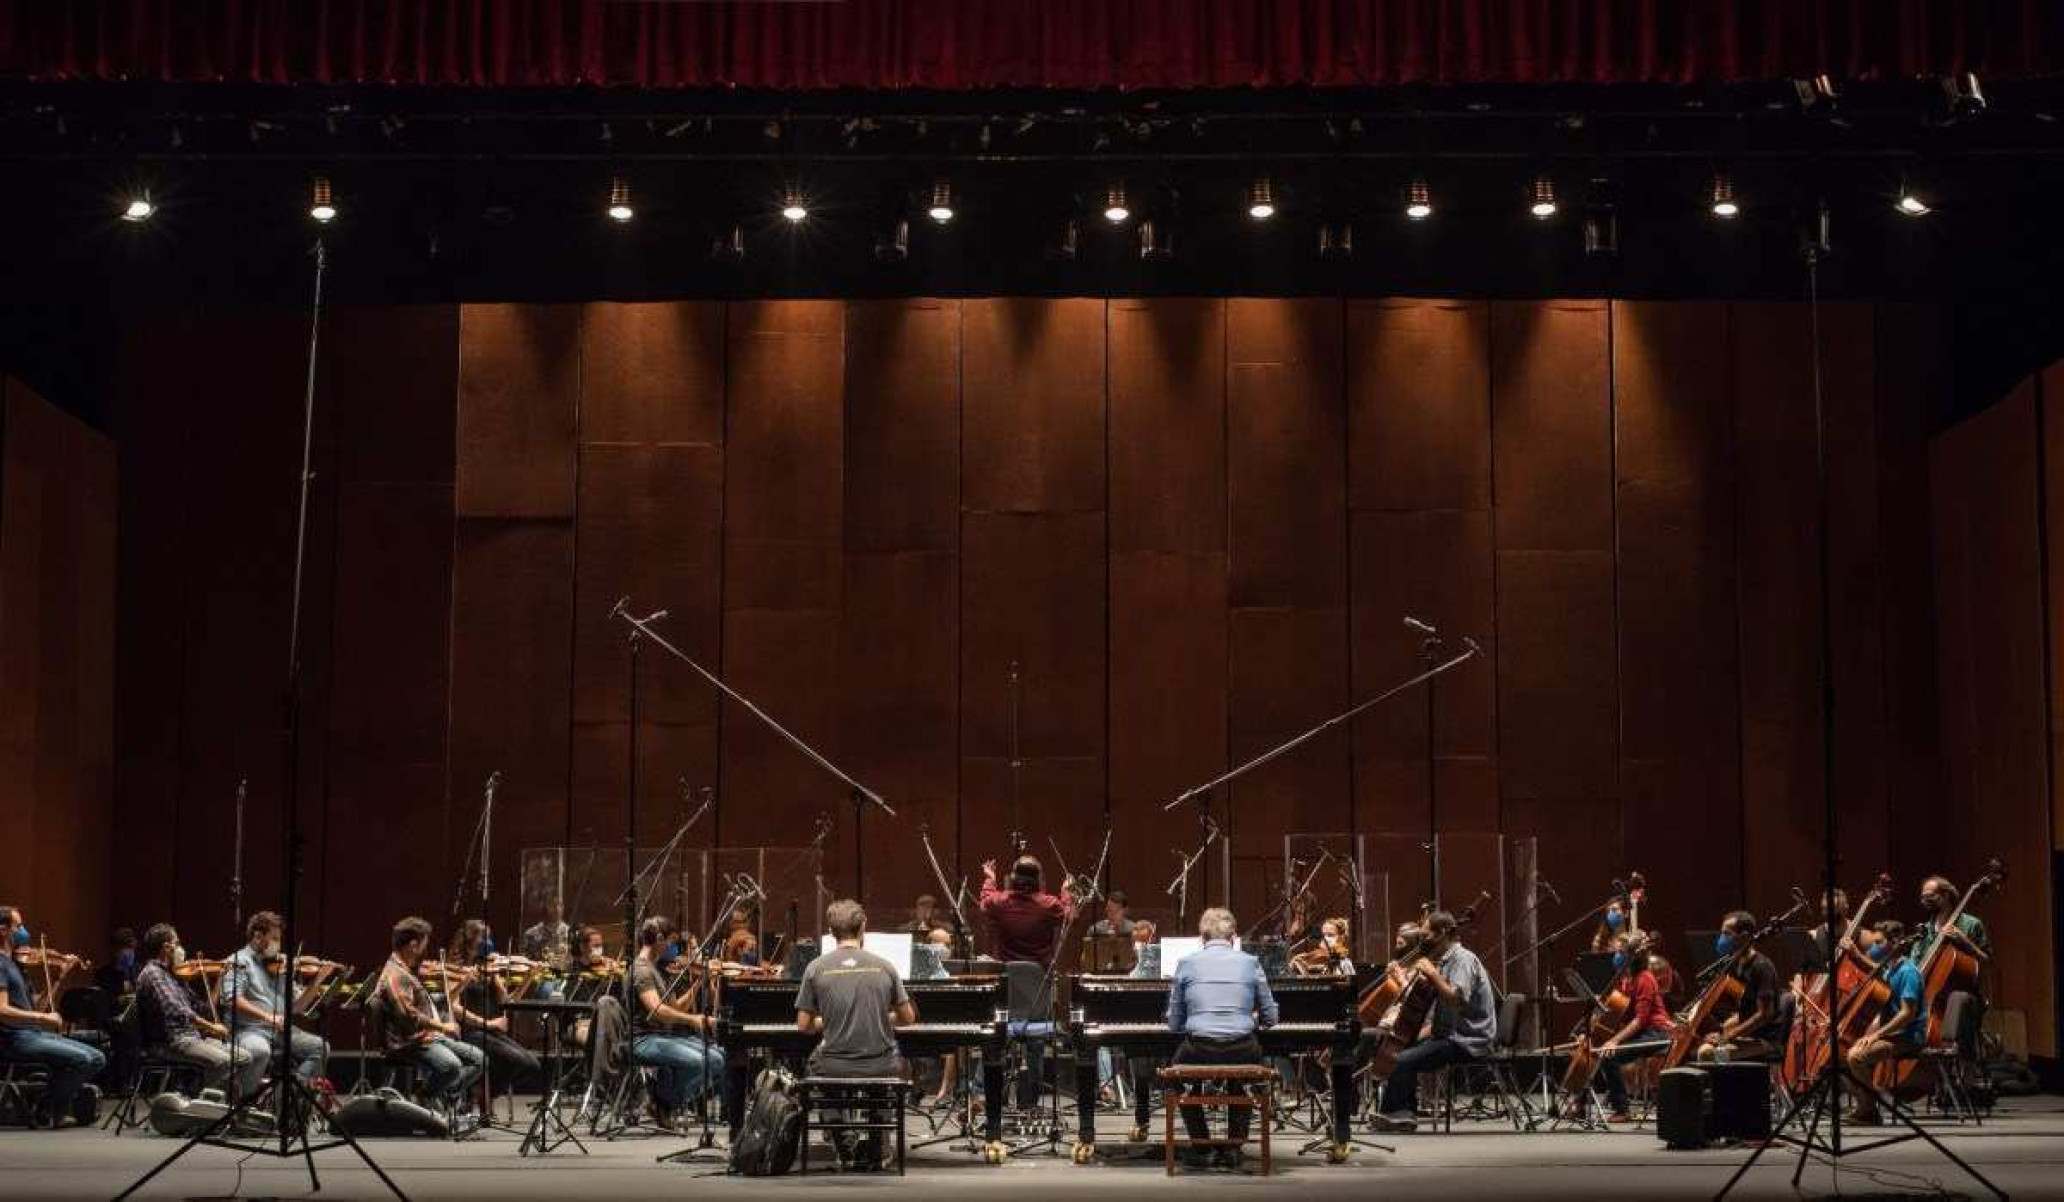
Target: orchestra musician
(260, 1002)
(1939, 899)
(1646, 1031)
(666, 1037)
(30, 1035)
(477, 1008)
(1024, 924)
(1900, 1031)
(1331, 957)
(547, 938)
(1114, 921)
(412, 1030)
(117, 977)
(924, 915)
(1755, 1031)
(174, 1030)
(1465, 1021)
(1611, 925)
(1218, 999)
(853, 1000)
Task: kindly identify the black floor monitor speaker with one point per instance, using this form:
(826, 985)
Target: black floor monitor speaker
(1684, 1107)
(1741, 1101)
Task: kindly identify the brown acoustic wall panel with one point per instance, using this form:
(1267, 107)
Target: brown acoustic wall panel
(1168, 427)
(511, 660)
(2050, 395)
(652, 373)
(1286, 674)
(519, 374)
(1988, 496)
(902, 456)
(1779, 583)
(1033, 592)
(1032, 407)
(1419, 404)
(783, 562)
(1680, 740)
(386, 386)
(1552, 425)
(1435, 564)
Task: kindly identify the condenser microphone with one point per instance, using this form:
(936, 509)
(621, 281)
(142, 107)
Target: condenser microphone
(1412, 623)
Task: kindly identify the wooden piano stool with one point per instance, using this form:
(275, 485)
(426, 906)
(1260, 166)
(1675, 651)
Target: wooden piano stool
(1229, 1085)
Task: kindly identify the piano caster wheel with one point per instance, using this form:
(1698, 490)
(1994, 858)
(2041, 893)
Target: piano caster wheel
(1137, 1135)
(1084, 1153)
(1338, 1153)
(993, 1153)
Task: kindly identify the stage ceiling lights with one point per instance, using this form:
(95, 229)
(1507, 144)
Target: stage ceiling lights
(620, 210)
(322, 205)
(139, 208)
(1541, 198)
(1261, 198)
(1721, 198)
(1418, 200)
(1911, 203)
(793, 207)
(1116, 211)
(941, 208)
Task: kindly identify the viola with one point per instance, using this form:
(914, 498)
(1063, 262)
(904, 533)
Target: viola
(1722, 995)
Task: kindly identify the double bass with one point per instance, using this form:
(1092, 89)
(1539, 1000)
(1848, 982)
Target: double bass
(1948, 968)
(1806, 1048)
(1411, 997)
(1721, 995)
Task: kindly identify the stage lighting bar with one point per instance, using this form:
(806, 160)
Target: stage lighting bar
(793, 207)
(941, 208)
(1156, 241)
(1721, 199)
(1116, 211)
(1541, 198)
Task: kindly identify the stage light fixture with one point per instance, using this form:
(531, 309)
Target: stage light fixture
(941, 209)
(1116, 211)
(1261, 199)
(1418, 200)
(1602, 232)
(620, 200)
(1721, 198)
(1156, 241)
(1911, 203)
(322, 205)
(139, 208)
(1541, 198)
(792, 206)
(729, 246)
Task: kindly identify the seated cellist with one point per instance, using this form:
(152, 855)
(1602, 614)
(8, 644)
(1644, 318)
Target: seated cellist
(1901, 1029)
(1647, 1027)
(1755, 1031)
(1939, 899)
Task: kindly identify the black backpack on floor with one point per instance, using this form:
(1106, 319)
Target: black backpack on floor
(767, 1139)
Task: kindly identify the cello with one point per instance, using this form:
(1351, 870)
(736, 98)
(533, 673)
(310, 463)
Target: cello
(1722, 995)
(1806, 1048)
(1947, 968)
(1399, 1026)
(1607, 1015)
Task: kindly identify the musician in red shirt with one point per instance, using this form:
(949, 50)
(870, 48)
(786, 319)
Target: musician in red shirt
(1648, 1024)
(1024, 919)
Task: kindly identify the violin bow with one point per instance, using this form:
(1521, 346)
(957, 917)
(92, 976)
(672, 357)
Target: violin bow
(49, 996)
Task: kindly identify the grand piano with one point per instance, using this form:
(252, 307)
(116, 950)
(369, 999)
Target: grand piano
(1129, 1015)
(951, 1015)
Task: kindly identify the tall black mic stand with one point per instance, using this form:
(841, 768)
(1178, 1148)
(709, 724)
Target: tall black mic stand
(292, 1099)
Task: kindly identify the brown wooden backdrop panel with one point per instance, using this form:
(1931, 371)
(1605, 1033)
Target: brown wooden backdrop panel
(1285, 463)
(1032, 408)
(1168, 426)
(1434, 564)
(652, 373)
(1551, 427)
(1557, 698)
(2050, 394)
(386, 385)
(511, 658)
(902, 458)
(519, 376)
(1286, 674)
(1418, 395)
(1680, 741)
(1988, 496)
(1779, 585)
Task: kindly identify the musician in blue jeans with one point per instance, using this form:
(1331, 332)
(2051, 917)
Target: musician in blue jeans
(30, 1036)
(1465, 1021)
(689, 1063)
(1219, 998)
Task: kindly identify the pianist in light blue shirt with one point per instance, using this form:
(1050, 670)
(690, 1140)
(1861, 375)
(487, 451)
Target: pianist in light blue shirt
(1219, 992)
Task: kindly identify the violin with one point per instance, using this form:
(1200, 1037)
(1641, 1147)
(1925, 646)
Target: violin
(307, 967)
(199, 968)
(41, 956)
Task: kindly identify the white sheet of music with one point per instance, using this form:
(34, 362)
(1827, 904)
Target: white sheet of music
(893, 946)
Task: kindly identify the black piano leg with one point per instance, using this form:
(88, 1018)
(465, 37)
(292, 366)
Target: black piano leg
(992, 1104)
(1342, 1072)
(1085, 1104)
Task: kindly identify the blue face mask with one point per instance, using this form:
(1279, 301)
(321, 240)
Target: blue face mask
(1619, 961)
(126, 960)
(673, 951)
(1725, 944)
(486, 948)
(1878, 951)
(21, 936)
(1614, 920)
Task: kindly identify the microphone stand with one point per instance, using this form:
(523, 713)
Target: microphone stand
(1050, 1143)
(1179, 888)
(475, 844)
(236, 871)
(962, 935)
(861, 795)
(479, 1018)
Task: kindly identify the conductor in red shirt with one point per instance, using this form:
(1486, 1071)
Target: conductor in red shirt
(1024, 919)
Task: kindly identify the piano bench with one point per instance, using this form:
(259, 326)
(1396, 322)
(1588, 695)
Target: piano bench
(1233, 1086)
(852, 1104)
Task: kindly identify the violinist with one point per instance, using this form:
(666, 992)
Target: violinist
(1465, 1021)
(1647, 1027)
(1900, 1031)
(1755, 1031)
(32, 1036)
(924, 915)
(173, 1029)
(410, 1027)
(479, 1002)
(117, 977)
(259, 994)
(1939, 899)
(667, 1037)
(1331, 958)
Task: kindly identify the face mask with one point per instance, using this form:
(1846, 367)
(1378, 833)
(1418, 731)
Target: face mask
(486, 948)
(21, 936)
(673, 951)
(1878, 951)
(1725, 944)
(1614, 920)
(125, 960)
(178, 955)
(1619, 961)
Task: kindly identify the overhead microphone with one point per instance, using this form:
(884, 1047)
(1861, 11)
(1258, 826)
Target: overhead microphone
(1412, 623)
(1542, 884)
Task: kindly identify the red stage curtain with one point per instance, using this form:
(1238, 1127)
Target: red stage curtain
(1020, 43)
